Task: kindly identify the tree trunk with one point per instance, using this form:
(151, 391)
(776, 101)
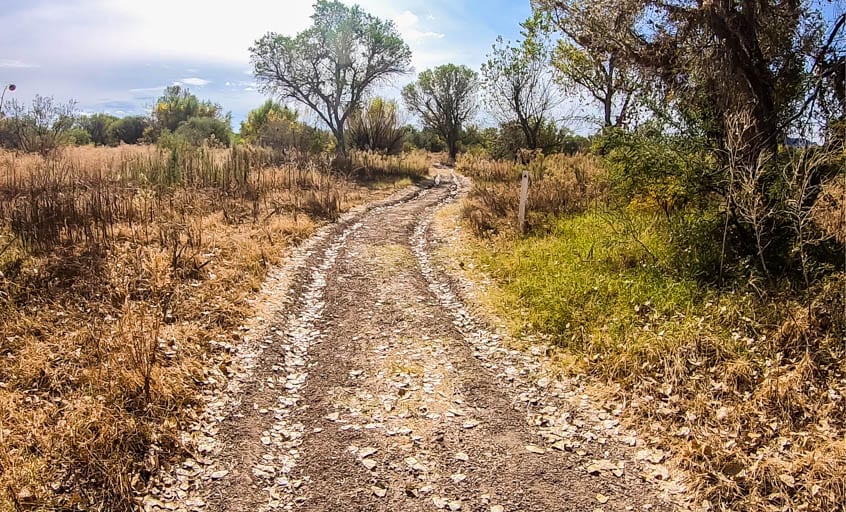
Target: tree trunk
(453, 150)
(340, 144)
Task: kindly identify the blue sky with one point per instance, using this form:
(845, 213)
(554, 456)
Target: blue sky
(117, 55)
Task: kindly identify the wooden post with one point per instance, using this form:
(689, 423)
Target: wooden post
(524, 196)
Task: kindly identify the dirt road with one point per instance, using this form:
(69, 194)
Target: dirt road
(365, 384)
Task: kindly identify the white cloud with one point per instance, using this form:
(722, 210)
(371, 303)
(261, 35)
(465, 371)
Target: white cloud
(16, 64)
(147, 89)
(197, 82)
(214, 33)
(408, 25)
(406, 19)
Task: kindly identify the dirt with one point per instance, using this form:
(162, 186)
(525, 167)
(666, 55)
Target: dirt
(367, 384)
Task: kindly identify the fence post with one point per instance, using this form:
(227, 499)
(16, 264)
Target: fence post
(524, 196)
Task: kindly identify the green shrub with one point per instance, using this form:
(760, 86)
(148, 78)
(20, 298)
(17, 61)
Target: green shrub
(129, 130)
(210, 131)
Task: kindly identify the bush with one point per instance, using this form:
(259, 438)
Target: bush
(377, 128)
(77, 137)
(425, 139)
(276, 126)
(670, 172)
(210, 131)
(129, 130)
(98, 127)
(40, 128)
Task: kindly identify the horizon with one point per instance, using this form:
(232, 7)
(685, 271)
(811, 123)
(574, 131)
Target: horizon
(117, 57)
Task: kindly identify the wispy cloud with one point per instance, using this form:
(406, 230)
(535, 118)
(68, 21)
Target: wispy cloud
(16, 64)
(147, 89)
(197, 82)
(408, 25)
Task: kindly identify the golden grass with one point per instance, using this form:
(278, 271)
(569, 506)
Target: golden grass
(118, 268)
(559, 184)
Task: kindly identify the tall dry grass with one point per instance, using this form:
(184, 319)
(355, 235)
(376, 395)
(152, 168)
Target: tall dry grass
(120, 270)
(560, 184)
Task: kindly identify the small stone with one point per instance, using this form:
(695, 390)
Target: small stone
(195, 503)
(535, 449)
(458, 477)
(462, 457)
(217, 475)
(366, 452)
(454, 505)
(602, 499)
(379, 491)
(369, 464)
(497, 508)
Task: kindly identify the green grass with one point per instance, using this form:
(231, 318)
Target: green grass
(605, 294)
(604, 289)
(581, 276)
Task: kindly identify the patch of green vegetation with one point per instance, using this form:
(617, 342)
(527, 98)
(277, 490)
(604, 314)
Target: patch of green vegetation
(581, 273)
(607, 295)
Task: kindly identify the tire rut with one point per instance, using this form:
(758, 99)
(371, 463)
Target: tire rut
(373, 388)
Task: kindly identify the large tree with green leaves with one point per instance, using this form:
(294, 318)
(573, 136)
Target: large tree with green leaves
(519, 88)
(98, 126)
(178, 104)
(445, 98)
(586, 58)
(331, 66)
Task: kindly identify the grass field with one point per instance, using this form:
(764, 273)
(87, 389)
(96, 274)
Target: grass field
(120, 271)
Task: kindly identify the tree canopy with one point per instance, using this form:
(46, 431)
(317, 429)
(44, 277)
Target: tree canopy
(519, 88)
(445, 98)
(331, 66)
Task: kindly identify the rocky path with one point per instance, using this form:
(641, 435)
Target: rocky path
(365, 384)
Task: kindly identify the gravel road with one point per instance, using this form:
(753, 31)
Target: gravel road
(366, 384)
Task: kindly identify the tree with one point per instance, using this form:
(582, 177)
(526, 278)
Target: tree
(519, 88)
(178, 105)
(377, 128)
(445, 98)
(40, 127)
(205, 130)
(715, 59)
(586, 58)
(331, 66)
(98, 127)
(128, 130)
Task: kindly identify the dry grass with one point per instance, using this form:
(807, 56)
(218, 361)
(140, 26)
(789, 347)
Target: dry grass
(560, 184)
(748, 390)
(119, 269)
